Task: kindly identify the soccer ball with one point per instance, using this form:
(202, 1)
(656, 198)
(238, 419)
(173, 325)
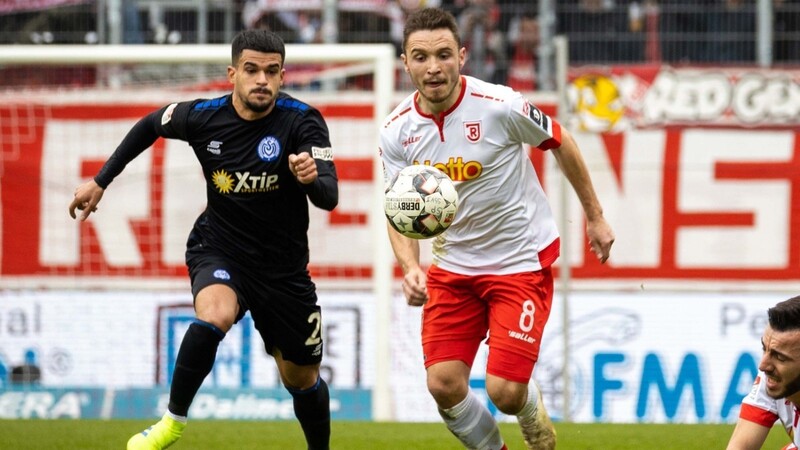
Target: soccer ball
(420, 202)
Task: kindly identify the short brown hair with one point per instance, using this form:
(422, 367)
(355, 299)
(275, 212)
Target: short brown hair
(430, 19)
(785, 316)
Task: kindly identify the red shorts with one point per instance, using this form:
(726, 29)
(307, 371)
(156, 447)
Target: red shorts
(462, 308)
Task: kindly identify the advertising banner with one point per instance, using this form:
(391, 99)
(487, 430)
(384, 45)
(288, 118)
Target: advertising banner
(631, 357)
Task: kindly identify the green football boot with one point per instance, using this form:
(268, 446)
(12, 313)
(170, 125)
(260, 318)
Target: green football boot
(159, 436)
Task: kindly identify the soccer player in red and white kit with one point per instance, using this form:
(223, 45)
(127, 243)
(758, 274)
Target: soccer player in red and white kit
(491, 269)
(776, 391)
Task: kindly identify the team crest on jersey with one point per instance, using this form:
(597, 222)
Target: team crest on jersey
(269, 149)
(472, 130)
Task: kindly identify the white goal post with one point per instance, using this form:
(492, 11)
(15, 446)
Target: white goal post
(377, 59)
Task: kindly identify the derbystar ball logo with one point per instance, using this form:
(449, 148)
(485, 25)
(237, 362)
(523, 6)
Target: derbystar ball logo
(244, 182)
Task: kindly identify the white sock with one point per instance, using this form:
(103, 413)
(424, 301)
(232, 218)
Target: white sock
(177, 418)
(529, 409)
(472, 423)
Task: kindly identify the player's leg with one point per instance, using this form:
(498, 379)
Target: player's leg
(520, 306)
(454, 324)
(311, 400)
(290, 323)
(216, 310)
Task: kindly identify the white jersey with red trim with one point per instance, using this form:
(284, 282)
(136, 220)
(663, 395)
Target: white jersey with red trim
(504, 223)
(760, 408)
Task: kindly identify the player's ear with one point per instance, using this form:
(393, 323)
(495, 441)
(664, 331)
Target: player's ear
(462, 57)
(231, 74)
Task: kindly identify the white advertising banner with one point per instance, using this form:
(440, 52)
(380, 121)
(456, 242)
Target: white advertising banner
(633, 357)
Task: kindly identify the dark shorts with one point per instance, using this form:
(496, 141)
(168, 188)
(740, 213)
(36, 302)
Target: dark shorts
(284, 310)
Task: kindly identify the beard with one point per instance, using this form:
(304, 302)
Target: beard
(258, 106)
(439, 95)
(791, 388)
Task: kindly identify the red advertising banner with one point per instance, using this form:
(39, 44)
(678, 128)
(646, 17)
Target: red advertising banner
(695, 190)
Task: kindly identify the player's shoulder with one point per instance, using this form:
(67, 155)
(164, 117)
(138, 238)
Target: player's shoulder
(287, 103)
(402, 110)
(209, 104)
(489, 94)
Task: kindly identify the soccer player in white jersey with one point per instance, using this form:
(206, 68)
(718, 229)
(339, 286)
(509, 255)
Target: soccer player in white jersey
(776, 391)
(491, 270)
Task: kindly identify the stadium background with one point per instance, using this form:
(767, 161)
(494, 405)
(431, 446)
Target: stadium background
(687, 113)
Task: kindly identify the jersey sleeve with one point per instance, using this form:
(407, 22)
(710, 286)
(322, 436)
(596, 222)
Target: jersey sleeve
(173, 121)
(757, 406)
(314, 139)
(530, 125)
(140, 137)
(391, 155)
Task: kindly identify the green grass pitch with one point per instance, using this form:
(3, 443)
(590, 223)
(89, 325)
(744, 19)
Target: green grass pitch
(211, 435)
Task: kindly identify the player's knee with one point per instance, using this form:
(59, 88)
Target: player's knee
(301, 380)
(296, 376)
(219, 319)
(447, 390)
(507, 396)
(217, 305)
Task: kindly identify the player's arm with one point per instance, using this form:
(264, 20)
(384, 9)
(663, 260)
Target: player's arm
(138, 139)
(317, 177)
(569, 159)
(748, 435)
(406, 251)
(313, 165)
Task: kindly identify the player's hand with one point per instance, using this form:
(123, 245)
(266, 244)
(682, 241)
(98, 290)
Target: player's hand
(414, 287)
(601, 237)
(87, 196)
(303, 167)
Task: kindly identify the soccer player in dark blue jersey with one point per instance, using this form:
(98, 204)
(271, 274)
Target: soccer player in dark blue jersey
(263, 154)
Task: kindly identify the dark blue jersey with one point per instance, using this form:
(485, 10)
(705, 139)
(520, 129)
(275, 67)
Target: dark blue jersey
(257, 211)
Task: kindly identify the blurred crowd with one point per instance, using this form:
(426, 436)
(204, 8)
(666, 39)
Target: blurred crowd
(502, 36)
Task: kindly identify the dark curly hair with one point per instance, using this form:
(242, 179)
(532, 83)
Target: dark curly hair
(259, 40)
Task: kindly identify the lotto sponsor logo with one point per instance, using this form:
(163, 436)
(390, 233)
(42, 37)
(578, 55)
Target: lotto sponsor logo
(457, 169)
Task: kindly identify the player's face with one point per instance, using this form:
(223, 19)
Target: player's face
(257, 79)
(781, 363)
(433, 61)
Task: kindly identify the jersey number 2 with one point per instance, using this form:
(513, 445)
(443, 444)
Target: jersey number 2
(315, 338)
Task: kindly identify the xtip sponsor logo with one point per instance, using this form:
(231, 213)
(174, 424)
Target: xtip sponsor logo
(245, 183)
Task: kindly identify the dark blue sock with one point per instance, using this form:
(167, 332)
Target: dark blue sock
(312, 409)
(194, 362)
